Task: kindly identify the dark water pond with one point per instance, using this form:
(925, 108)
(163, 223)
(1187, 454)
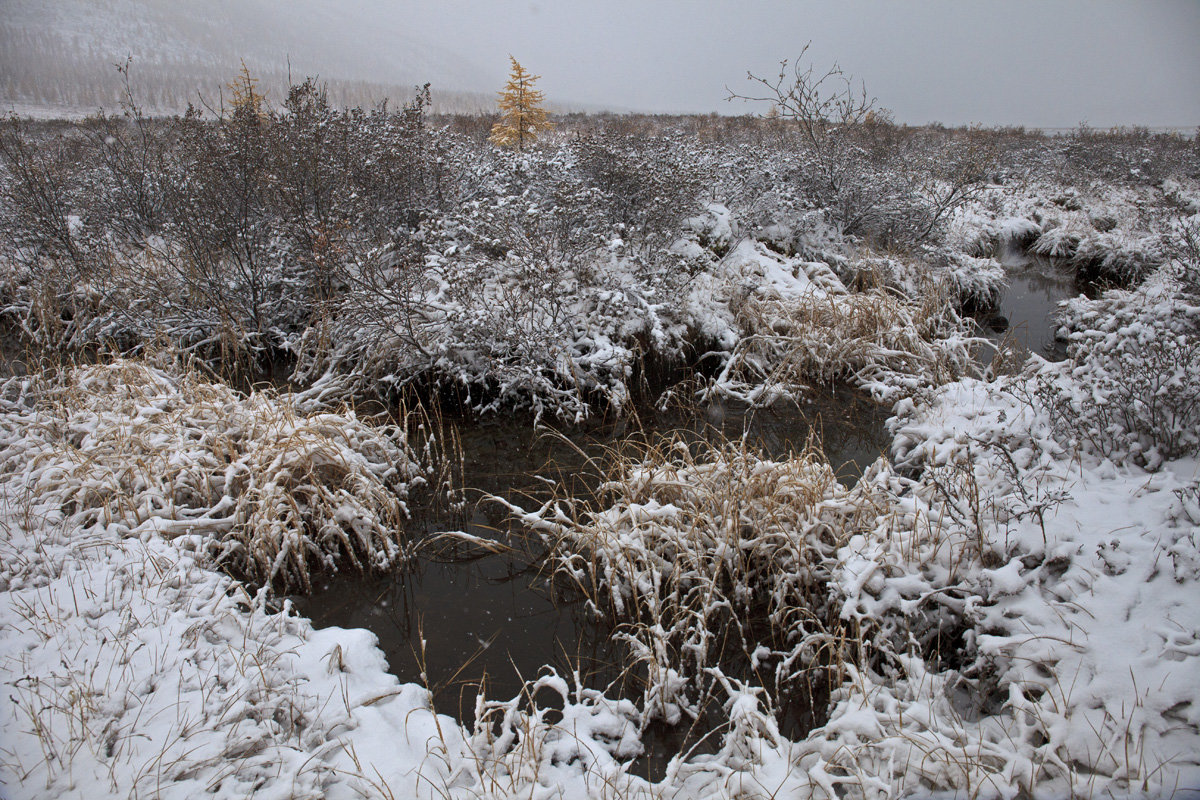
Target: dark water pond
(460, 615)
(1025, 318)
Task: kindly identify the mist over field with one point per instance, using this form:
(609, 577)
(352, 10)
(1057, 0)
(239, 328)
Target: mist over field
(1038, 64)
(62, 54)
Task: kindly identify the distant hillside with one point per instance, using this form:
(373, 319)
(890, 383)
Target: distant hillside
(61, 55)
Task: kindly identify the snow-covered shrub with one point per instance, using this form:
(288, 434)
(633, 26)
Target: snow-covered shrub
(897, 199)
(53, 245)
(271, 493)
(646, 183)
(531, 294)
(1130, 156)
(1130, 387)
(40, 215)
(225, 236)
(524, 317)
(1185, 243)
(930, 178)
(895, 188)
(372, 252)
(802, 233)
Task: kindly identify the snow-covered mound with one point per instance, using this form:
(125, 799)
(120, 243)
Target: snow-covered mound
(130, 669)
(796, 323)
(271, 492)
(1063, 586)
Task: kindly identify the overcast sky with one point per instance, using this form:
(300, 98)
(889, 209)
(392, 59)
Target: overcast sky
(1047, 63)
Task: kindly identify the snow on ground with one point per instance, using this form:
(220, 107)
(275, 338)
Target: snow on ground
(1024, 606)
(1080, 611)
(1017, 589)
(134, 670)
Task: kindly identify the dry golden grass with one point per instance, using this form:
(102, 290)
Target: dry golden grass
(273, 492)
(875, 339)
(706, 555)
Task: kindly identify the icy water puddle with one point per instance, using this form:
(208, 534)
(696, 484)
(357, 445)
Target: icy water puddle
(1025, 317)
(460, 615)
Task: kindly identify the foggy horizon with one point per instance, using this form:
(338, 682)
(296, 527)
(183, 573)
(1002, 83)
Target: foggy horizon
(1052, 64)
(1041, 64)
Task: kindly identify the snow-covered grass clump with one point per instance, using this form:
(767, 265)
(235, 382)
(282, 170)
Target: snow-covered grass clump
(796, 324)
(132, 670)
(1113, 258)
(971, 283)
(979, 234)
(270, 492)
(705, 556)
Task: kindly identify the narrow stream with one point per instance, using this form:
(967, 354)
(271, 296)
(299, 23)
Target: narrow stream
(1025, 317)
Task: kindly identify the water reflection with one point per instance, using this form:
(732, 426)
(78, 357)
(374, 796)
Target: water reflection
(1025, 319)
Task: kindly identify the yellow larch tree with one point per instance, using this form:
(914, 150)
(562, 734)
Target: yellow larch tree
(246, 96)
(522, 115)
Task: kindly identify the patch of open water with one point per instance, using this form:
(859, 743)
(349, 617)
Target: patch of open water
(1026, 314)
(458, 615)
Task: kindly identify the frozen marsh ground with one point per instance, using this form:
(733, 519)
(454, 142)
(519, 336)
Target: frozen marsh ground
(136, 669)
(1004, 606)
